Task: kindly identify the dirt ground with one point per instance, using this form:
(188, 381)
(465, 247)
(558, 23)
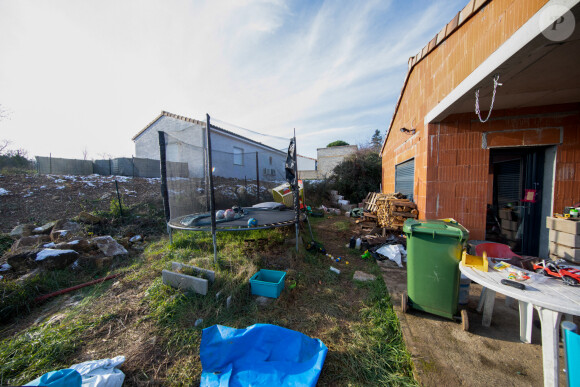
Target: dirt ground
(445, 355)
(43, 198)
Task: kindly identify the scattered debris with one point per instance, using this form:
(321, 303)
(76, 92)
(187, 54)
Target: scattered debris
(396, 253)
(362, 276)
(264, 301)
(334, 269)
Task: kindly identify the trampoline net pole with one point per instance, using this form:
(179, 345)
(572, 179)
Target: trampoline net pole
(163, 172)
(296, 192)
(211, 188)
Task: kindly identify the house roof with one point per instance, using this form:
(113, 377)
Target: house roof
(453, 26)
(202, 124)
(306, 157)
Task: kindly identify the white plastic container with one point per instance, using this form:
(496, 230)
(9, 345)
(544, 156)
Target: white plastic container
(358, 242)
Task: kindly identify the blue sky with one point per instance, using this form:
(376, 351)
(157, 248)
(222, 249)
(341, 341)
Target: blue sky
(80, 75)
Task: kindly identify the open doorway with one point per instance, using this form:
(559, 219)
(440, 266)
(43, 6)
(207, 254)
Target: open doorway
(515, 209)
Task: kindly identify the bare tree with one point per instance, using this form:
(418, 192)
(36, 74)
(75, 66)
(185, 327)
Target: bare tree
(3, 145)
(85, 153)
(4, 114)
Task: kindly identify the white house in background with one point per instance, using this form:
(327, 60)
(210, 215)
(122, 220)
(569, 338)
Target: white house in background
(233, 156)
(328, 158)
(306, 163)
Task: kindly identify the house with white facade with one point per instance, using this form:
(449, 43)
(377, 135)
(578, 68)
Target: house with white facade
(233, 155)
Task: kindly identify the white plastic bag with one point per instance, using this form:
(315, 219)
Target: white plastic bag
(101, 373)
(395, 253)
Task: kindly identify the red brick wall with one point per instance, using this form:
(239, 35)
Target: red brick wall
(459, 184)
(429, 81)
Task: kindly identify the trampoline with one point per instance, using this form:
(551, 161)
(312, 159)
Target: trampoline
(265, 218)
(198, 179)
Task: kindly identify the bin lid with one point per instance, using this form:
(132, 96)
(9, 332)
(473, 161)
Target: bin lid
(436, 227)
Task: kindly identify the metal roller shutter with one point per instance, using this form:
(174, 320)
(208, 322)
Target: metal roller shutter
(508, 176)
(405, 178)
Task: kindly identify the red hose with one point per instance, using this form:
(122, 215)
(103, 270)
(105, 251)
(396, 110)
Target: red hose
(63, 291)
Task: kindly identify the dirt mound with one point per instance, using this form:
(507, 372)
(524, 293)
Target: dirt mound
(42, 198)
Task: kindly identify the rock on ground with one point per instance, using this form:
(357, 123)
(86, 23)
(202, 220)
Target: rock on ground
(362, 276)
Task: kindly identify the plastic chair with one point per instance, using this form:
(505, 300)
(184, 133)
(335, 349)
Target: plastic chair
(571, 341)
(495, 250)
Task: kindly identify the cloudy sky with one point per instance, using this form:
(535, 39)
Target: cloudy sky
(87, 75)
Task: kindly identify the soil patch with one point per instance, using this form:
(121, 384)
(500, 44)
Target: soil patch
(43, 198)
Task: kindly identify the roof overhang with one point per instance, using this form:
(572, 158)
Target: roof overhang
(533, 69)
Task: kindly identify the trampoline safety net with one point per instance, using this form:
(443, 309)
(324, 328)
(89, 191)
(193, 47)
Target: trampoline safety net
(245, 170)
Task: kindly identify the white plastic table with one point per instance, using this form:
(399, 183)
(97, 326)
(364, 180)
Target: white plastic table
(550, 298)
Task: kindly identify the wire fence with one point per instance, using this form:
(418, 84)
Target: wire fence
(122, 166)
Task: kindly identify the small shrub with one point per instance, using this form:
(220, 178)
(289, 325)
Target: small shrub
(5, 243)
(358, 175)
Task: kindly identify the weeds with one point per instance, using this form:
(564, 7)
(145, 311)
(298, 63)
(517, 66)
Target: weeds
(43, 348)
(355, 320)
(5, 243)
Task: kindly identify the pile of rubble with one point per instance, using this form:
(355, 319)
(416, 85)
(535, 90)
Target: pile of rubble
(63, 243)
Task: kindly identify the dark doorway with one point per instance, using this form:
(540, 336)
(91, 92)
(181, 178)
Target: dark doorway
(512, 219)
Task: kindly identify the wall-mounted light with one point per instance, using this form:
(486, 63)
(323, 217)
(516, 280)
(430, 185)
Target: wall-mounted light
(408, 131)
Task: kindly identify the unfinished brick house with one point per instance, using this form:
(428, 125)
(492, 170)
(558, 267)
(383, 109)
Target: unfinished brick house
(437, 150)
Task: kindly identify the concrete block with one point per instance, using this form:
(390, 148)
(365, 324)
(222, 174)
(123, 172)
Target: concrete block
(185, 282)
(209, 274)
(565, 225)
(568, 253)
(510, 225)
(564, 238)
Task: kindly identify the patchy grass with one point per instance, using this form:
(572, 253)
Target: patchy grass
(154, 325)
(16, 297)
(342, 225)
(5, 243)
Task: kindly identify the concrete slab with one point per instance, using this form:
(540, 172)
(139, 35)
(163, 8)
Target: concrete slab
(445, 355)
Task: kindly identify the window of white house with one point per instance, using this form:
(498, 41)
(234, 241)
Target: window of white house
(238, 156)
(270, 160)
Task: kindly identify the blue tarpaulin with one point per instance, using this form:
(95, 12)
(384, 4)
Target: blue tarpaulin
(260, 355)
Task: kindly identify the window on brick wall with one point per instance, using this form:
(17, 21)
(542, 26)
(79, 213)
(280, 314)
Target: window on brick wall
(405, 178)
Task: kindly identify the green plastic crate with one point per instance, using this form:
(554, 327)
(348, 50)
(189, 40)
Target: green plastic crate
(268, 283)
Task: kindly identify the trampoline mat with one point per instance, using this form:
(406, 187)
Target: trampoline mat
(265, 218)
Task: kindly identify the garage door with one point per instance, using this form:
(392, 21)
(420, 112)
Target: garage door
(405, 178)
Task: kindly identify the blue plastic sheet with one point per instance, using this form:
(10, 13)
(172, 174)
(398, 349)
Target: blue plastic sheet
(60, 378)
(260, 355)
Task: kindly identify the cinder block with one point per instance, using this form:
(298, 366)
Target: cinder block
(568, 253)
(185, 282)
(510, 235)
(565, 225)
(188, 282)
(209, 274)
(564, 238)
(507, 214)
(511, 225)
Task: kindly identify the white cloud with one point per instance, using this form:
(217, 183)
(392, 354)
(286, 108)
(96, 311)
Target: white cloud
(81, 73)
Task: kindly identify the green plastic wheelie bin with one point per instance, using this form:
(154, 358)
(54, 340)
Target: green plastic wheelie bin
(434, 250)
